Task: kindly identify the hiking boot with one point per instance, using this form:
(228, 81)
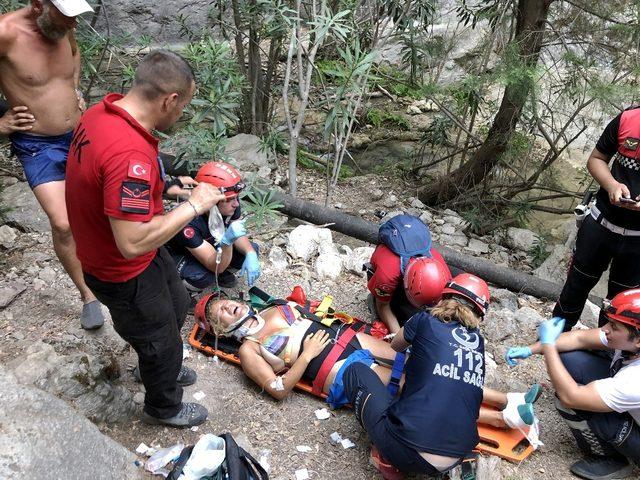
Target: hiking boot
(190, 415)
(186, 377)
(227, 279)
(602, 468)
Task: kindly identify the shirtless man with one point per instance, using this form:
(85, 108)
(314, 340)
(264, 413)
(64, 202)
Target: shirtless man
(39, 76)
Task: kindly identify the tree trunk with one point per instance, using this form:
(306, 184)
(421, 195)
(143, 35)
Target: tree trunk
(530, 26)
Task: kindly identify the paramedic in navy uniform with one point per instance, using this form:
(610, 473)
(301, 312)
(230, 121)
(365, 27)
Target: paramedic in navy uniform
(611, 234)
(431, 427)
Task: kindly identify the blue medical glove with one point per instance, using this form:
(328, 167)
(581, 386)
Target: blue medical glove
(233, 232)
(517, 353)
(251, 266)
(550, 330)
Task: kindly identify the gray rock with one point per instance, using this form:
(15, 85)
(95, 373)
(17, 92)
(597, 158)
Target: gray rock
(35, 257)
(528, 320)
(426, 217)
(590, 314)
(503, 298)
(391, 201)
(8, 181)
(48, 275)
(84, 380)
(491, 377)
(43, 437)
(454, 220)
(7, 236)
(304, 240)
(359, 256)
(417, 203)
(499, 325)
(9, 291)
(390, 215)
(278, 258)
(439, 221)
(244, 149)
(25, 212)
(447, 229)
(521, 238)
(328, 265)
(376, 194)
(264, 172)
(138, 398)
(477, 246)
(458, 238)
(554, 267)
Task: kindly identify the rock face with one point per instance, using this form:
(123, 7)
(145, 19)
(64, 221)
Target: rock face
(9, 291)
(244, 150)
(43, 437)
(85, 381)
(157, 20)
(25, 212)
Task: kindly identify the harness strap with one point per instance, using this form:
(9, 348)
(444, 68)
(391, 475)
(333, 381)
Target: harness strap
(332, 358)
(288, 314)
(396, 374)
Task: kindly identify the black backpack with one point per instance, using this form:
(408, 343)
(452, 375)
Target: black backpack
(238, 463)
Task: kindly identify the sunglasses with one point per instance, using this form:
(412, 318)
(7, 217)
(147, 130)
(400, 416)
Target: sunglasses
(237, 188)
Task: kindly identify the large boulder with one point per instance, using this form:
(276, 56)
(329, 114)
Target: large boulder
(304, 240)
(86, 381)
(24, 210)
(329, 265)
(521, 239)
(354, 260)
(278, 258)
(43, 437)
(245, 153)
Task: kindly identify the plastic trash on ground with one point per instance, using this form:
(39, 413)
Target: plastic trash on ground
(156, 462)
(199, 395)
(206, 457)
(142, 449)
(322, 414)
(335, 438)
(302, 474)
(303, 448)
(346, 443)
(263, 459)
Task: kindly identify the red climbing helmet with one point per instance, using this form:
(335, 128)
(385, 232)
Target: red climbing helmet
(470, 287)
(200, 310)
(625, 307)
(424, 280)
(223, 176)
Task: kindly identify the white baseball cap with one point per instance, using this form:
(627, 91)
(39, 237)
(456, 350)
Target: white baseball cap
(72, 8)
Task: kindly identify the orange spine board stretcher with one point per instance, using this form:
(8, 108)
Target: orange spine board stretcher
(507, 444)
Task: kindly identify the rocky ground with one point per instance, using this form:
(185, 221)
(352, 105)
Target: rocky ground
(41, 343)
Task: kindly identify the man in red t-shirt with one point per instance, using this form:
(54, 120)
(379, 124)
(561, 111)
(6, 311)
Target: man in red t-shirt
(387, 287)
(114, 201)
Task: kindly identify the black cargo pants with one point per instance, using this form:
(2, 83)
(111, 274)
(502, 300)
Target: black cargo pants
(148, 312)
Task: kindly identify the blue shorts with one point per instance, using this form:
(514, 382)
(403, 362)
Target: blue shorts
(43, 158)
(337, 396)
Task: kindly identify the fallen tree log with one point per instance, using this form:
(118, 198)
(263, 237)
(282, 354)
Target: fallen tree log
(513, 280)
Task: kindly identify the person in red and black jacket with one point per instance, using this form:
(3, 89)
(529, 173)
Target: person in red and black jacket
(114, 201)
(611, 234)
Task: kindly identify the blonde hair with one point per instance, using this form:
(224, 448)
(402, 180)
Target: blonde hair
(215, 326)
(453, 310)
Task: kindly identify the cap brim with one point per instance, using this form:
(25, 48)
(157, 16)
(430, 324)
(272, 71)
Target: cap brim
(73, 8)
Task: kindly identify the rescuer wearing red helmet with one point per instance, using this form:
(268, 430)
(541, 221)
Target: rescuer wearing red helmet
(598, 397)
(194, 247)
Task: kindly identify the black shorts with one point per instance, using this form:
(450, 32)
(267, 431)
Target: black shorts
(314, 365)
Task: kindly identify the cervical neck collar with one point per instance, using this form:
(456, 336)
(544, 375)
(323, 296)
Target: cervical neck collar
(238, 330)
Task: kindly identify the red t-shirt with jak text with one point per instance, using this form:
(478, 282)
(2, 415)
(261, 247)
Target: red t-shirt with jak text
(112, 172)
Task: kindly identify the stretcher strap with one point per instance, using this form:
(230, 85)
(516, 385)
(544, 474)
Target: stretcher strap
(396, 374)
(332, 358)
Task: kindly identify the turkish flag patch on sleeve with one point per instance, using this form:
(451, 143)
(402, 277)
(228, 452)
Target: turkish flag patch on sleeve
(139, 169)
(135, 197)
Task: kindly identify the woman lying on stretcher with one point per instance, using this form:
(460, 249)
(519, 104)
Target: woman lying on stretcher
(280, 347)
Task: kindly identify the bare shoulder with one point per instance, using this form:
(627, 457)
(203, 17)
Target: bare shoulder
(9, 28)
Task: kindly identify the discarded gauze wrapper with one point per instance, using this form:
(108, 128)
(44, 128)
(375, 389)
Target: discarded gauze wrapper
(322, 414)
(199, 395)
(302, 474)
(277, 384)
(335, 438)
(346, 443)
